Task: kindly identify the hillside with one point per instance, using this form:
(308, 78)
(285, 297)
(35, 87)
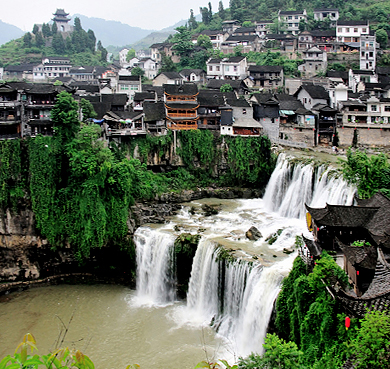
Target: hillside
(9, 32)
(112, 32)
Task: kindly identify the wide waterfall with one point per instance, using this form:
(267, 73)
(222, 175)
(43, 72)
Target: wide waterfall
(236, 295)
(292, 186)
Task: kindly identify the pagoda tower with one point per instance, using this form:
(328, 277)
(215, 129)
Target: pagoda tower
(62, 20)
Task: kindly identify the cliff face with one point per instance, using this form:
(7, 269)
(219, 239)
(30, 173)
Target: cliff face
(24, 254)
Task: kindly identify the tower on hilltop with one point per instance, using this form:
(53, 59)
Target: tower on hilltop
(62, 20)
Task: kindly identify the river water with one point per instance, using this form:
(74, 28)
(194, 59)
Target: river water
(228, 305)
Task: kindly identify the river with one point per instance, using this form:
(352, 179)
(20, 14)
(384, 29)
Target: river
(116, 326)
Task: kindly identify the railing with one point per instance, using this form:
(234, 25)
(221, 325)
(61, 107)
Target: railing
(183, 127)
(182, 115)
(9, 103)
(126, 132)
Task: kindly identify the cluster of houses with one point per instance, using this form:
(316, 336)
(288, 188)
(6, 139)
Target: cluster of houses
(318, 108)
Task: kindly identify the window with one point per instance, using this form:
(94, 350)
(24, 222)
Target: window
(235, 68)
(339, 30)
(371, 54)
(296, 17)
(364, 30)
(355, 30)
(289, 17)
(347, 30)
(296, 24)
(290, 24)
(387, 108)
(362, 54)
(374, 108)
(217, 68)
(243, 111)
(210, 68)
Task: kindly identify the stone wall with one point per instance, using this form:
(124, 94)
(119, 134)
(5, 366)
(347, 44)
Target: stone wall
(298, 134)
(373, 136)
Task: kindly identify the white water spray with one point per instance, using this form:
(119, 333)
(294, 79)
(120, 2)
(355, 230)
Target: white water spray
(155, 266)
(291, 187)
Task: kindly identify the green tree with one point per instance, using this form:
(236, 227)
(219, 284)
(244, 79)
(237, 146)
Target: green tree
(247, 24)
(87, 110)
(226, 88)
(65, 118)
(27, 40)
(39, 41)
(382, 38)
(54, 28)
(58, 43)
(221, 11)
(91, 40)
(130, 55)
(371, 347)
(137, 71)
(192, 23)
(167, 65)
(204, 41)
(35, 29)
(278, 354)
(46, 31)
(368, 173)
(182, 40)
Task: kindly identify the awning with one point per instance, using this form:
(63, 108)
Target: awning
(286, 112)
(99, 121)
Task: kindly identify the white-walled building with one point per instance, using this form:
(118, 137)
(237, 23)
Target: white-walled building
(367, 52)
(234, 67)
(291, 19)
(351, 31)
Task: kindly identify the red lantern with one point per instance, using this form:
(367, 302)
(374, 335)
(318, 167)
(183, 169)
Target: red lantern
(357, 272)
(347, 322)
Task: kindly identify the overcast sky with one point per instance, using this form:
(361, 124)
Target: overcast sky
(147, 14)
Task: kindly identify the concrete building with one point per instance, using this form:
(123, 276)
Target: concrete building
(291, 19)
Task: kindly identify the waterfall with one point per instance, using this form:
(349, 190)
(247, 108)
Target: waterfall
(202, 296)
(291, 187)
(156, 281)
(236, 297)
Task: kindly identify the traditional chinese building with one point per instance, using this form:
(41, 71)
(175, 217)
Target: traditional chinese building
(181, 104)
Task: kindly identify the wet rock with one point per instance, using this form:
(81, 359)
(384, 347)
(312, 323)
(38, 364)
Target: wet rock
(253, 234)
(211, 209)
(287, 251)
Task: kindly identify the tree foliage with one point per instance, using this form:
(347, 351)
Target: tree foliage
(368, 173)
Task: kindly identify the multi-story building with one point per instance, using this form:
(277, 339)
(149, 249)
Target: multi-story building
(315, 61)
(129, 85)
(234, 67)
(321, 14)
(263, 27)
(267, 76)
(216, 37)
(181, 104)
(291, 19)
(367, 52)
(351, 31)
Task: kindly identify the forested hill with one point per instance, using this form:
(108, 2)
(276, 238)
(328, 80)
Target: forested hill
(82, 47)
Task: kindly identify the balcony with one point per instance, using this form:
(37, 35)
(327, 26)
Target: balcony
(126, 132)
(9, 104)
(183, 115)
(44, 103)
(182, 126)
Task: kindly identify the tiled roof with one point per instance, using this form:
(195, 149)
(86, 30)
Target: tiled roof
(210, 98)
(115, 99)
(140, 96)
(217, 83)
(171, 75)
(265, 68)
(184, 89)
(315, 91)
(291, 12)
(352, 23)
(243, 38)
(154, 111)
(238, 103)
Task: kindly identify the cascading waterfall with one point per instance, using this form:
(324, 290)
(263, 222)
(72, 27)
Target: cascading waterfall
(240, 305)
(155, 266)
(290, 188)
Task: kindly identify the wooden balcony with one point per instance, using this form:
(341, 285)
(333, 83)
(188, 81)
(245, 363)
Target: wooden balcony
(186, 114)
(183, 126)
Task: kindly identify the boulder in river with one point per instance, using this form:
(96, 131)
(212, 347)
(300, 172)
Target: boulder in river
(253, 233)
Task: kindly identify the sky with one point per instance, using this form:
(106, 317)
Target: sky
(146, 14)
